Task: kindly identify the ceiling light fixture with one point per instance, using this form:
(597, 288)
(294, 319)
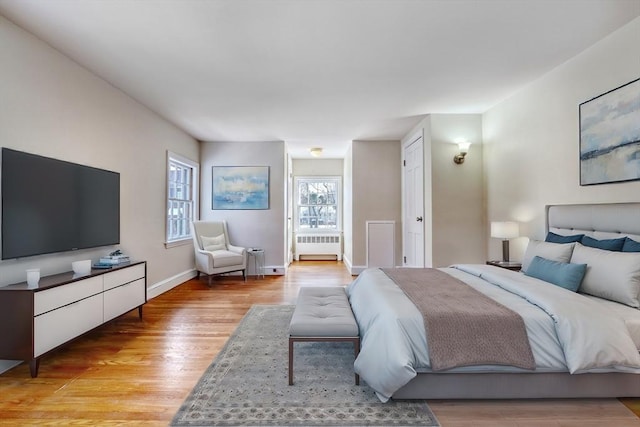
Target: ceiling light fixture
(316, 151)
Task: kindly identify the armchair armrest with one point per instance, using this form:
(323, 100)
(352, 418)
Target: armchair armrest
(237, 249)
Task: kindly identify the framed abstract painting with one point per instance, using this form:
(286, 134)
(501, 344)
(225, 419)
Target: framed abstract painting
(610, 136)
(240, 187)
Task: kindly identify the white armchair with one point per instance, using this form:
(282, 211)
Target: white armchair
(214, 253)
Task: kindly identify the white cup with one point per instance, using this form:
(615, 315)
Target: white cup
(33, 276)
(81, 268)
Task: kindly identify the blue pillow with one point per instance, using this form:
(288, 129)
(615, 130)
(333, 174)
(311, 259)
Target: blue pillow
(607, 244)
(563, 274)
(630, 245)
(556, 238)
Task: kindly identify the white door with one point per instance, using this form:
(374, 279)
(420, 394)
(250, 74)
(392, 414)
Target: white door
(413, 200)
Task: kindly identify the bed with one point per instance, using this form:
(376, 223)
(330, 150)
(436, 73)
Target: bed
(585, 343)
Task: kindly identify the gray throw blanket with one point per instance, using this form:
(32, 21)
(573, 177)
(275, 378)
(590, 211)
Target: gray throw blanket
(464, 327)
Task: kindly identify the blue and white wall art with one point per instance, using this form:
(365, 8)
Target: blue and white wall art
(610, 136)
(240, 187)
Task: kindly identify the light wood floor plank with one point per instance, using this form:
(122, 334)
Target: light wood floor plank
(132, 372)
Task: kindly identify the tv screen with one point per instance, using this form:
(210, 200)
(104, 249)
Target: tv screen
(50, 205)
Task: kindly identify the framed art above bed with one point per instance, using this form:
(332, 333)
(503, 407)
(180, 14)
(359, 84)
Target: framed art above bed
(610, 136)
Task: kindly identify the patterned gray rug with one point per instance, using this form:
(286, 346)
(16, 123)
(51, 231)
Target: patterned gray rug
(247, 384)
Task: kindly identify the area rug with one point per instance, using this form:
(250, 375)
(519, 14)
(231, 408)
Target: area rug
(247, 384)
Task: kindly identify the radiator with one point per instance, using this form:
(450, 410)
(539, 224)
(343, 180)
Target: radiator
(319, 244)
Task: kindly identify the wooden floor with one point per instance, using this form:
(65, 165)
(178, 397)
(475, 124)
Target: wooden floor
(139, 372)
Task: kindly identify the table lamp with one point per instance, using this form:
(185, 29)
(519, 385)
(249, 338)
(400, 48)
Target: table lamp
(504, 230)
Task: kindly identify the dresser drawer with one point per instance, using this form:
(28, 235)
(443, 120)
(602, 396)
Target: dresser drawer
(59, 326)
(122, 276)
(62, 295)
(124, 298)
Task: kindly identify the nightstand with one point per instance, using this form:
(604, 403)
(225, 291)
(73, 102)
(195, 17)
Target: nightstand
(509, 265)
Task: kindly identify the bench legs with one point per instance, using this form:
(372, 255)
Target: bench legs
(354, 340)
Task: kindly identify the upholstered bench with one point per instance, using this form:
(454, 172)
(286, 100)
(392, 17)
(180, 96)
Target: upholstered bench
(322, 314)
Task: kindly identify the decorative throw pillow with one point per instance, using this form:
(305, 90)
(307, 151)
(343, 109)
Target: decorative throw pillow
(557, 238)
(610, 275)
(560, 252)
(563, 274)
(630, 245)
(606, 244)
(217, 243)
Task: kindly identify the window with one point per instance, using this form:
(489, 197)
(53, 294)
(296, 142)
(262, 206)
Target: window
(182, 197)
(318, 203)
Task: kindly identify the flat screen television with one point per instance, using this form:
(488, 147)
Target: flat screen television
(50, 205)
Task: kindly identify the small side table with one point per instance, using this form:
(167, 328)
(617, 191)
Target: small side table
(509, 265)
(258, 261)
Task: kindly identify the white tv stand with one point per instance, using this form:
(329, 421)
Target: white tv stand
(37, 320)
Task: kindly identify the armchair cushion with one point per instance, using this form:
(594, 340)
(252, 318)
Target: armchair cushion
(223, 258)
(214, 243)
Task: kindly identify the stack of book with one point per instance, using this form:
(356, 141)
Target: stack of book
(114, 259)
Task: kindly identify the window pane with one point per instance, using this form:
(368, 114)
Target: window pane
(304, 217)
(328, 217)
(303, 198)
(180, 198)
(317, 204)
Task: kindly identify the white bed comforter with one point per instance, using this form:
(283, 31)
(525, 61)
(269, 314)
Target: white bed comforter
(567, 331)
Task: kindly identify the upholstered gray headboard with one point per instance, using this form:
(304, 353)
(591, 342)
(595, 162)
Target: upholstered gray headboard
(600, 221)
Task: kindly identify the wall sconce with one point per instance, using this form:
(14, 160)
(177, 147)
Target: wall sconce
(458, 159)
(505, 230)
(316, 151)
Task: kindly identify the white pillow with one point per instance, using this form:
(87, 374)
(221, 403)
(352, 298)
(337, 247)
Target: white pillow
(217, 243)
(610, 275)
(560, 252)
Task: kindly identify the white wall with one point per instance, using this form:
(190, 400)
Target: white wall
(457, 198)
(265, 229)
(532, 139)
(375, 193)
(53, 107)
(318, 167)
(454, 210)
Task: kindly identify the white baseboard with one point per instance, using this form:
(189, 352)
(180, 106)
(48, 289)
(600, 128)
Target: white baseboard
(353, 269)
(357, 269)
(347, 262)
(274, 270)
(170, 283)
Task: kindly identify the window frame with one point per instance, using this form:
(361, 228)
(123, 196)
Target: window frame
(296, 205)
(194, 167)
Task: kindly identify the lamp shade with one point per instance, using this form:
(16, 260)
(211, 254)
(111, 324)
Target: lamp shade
(504, 229)
(464, 147)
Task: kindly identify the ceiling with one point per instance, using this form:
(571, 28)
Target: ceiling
(317, 72)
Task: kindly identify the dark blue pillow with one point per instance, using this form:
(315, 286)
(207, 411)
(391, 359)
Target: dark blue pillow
(556, 238)
(607, 244)
(563, 274)
(630, 245)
